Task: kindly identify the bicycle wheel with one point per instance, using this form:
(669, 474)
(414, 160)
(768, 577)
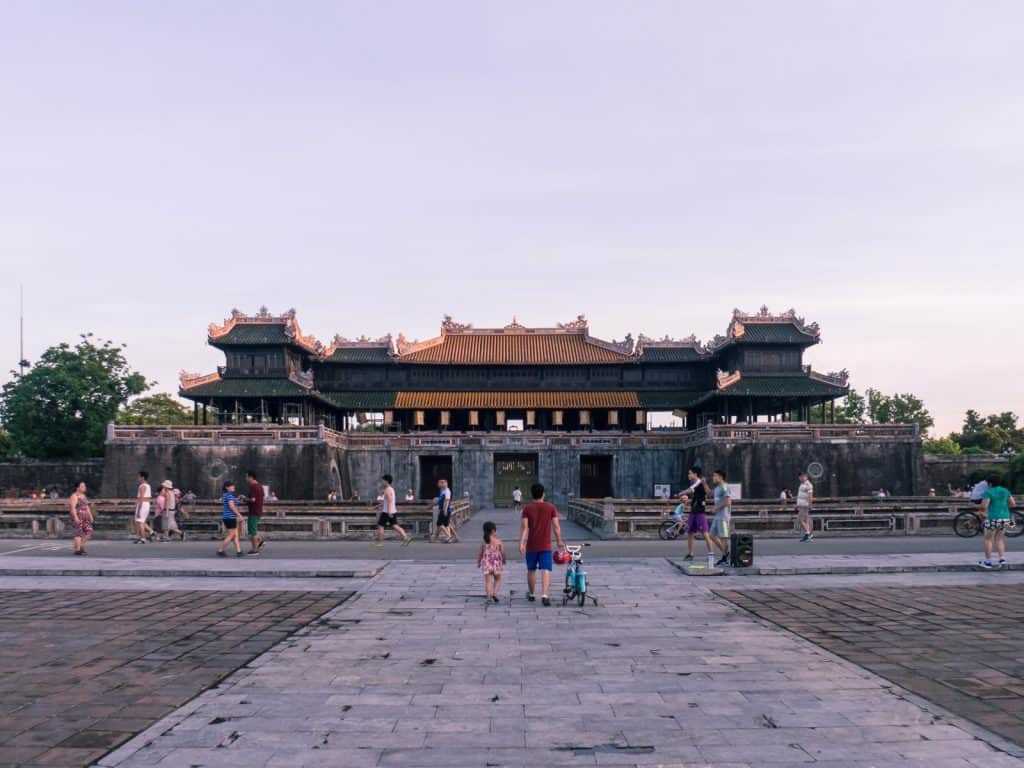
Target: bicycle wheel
(668, 530)
(966, 525)
(1016, 526)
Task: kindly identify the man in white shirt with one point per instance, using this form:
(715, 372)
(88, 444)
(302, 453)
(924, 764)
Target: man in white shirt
(517, 499)
(142, 502)
(804, 500)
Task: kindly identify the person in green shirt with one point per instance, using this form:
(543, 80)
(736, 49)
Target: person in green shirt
(995, 508)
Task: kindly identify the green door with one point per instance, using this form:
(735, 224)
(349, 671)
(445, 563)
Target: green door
(511, 470)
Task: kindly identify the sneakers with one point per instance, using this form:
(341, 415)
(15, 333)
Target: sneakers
(985, 565)
(530, 597)
(239, 554)
(806, 537)
(545, 600)
(495, 598)
(263, 543)
(407, 541)
(221, 554)
(377, 545)
(1002, 562)
(688, 557)
(723, 561)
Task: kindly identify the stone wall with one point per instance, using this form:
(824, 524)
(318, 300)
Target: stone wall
(941, 471)
(16, 477)
(850, 468)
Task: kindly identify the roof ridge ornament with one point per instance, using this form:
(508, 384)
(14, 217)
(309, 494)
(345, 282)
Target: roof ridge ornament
(579, 324)
(450, 326)
(668, 342)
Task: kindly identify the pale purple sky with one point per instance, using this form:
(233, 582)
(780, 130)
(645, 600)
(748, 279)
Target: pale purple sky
(653, 165)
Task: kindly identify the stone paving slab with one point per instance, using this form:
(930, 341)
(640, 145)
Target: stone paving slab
(799, 565)
(417, 671)
(83, 671)
(213, 566)
(960, 647)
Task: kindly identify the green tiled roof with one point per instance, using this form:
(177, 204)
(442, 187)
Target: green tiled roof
(362, 401)
(666, 401)
(670, 355)
(360, 355)
(246, 387)
(253, 334)
(773, 333)
(781, 386)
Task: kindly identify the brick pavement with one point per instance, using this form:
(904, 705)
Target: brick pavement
(82, 671)
(960, 647)
(415, 671)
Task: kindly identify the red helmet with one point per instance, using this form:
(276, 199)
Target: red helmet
(561, 557)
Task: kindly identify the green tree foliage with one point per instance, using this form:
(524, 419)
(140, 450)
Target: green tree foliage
(897, 409)
(996, 433)
(941, 445)
(849, 410)
(1015, 476)
(154, 409)
(61, 406)
(6, 446)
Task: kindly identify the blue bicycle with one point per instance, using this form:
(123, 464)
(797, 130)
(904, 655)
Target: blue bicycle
(576, 578)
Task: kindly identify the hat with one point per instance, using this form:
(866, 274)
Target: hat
(167, 484)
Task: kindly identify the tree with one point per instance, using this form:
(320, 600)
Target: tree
(61, 406)
(996, 433)
(852, 408)
(6, 446)
(897, 409)
(154, 409)
(941, 445)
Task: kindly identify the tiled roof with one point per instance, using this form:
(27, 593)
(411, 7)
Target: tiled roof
(783, 333)
(514, 349)
(269, 333)
(246, 387)
(667, 401)
(478, 400)
(359, 355)
(360, 401)
(780, 386)
(670, 355)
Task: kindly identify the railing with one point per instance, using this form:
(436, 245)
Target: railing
(761, 431)
(641, 518)
(287, 520)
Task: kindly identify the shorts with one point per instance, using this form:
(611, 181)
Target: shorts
(230, 523)
(803, 513)
(142, 513)
(539, 561)
(999, 524)
(720, 526)
(443, 521)
(387, 521)
(252, 525)
(698, 523)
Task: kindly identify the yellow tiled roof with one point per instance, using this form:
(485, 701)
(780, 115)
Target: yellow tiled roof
(515, 400)
(514, 349)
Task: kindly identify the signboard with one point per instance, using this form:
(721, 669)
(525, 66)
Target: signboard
(662, 490)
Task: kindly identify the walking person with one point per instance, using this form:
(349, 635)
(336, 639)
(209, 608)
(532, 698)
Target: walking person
(721, 522)
(804, 502)
(231, 518)
(539, 520)
(142, 502)
(491, 561)
(160, 506)
(254, 499)
(170, 516)
(81, 517)
(389, 513)
(995, 508)
(517, 499)
(444, 513)
(697, 522)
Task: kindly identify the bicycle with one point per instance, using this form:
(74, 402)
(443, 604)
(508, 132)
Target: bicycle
(672, 528)
(576, 578)
(969, 524)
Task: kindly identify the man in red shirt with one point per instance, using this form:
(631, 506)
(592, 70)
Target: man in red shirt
(539, 519)
(255, 498)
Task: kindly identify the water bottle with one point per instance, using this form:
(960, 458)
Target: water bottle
(711, 560)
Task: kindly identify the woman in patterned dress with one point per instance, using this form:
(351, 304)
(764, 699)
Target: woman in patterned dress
(81, 518)
(490, 561)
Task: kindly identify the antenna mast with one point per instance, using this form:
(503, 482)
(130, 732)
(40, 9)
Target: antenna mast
(21, 329)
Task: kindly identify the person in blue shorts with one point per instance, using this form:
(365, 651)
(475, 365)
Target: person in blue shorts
(539, 520)
(231, 518)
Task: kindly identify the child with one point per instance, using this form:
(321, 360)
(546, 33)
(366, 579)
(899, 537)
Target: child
(490, 560)
(996, 504)
(232, 518)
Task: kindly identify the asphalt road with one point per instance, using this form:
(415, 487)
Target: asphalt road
(421, 550)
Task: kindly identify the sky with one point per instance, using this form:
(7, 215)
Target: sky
(653, 165)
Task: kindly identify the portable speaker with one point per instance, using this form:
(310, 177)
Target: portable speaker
(741, 550)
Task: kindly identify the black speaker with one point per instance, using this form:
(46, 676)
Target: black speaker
(741, 550)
